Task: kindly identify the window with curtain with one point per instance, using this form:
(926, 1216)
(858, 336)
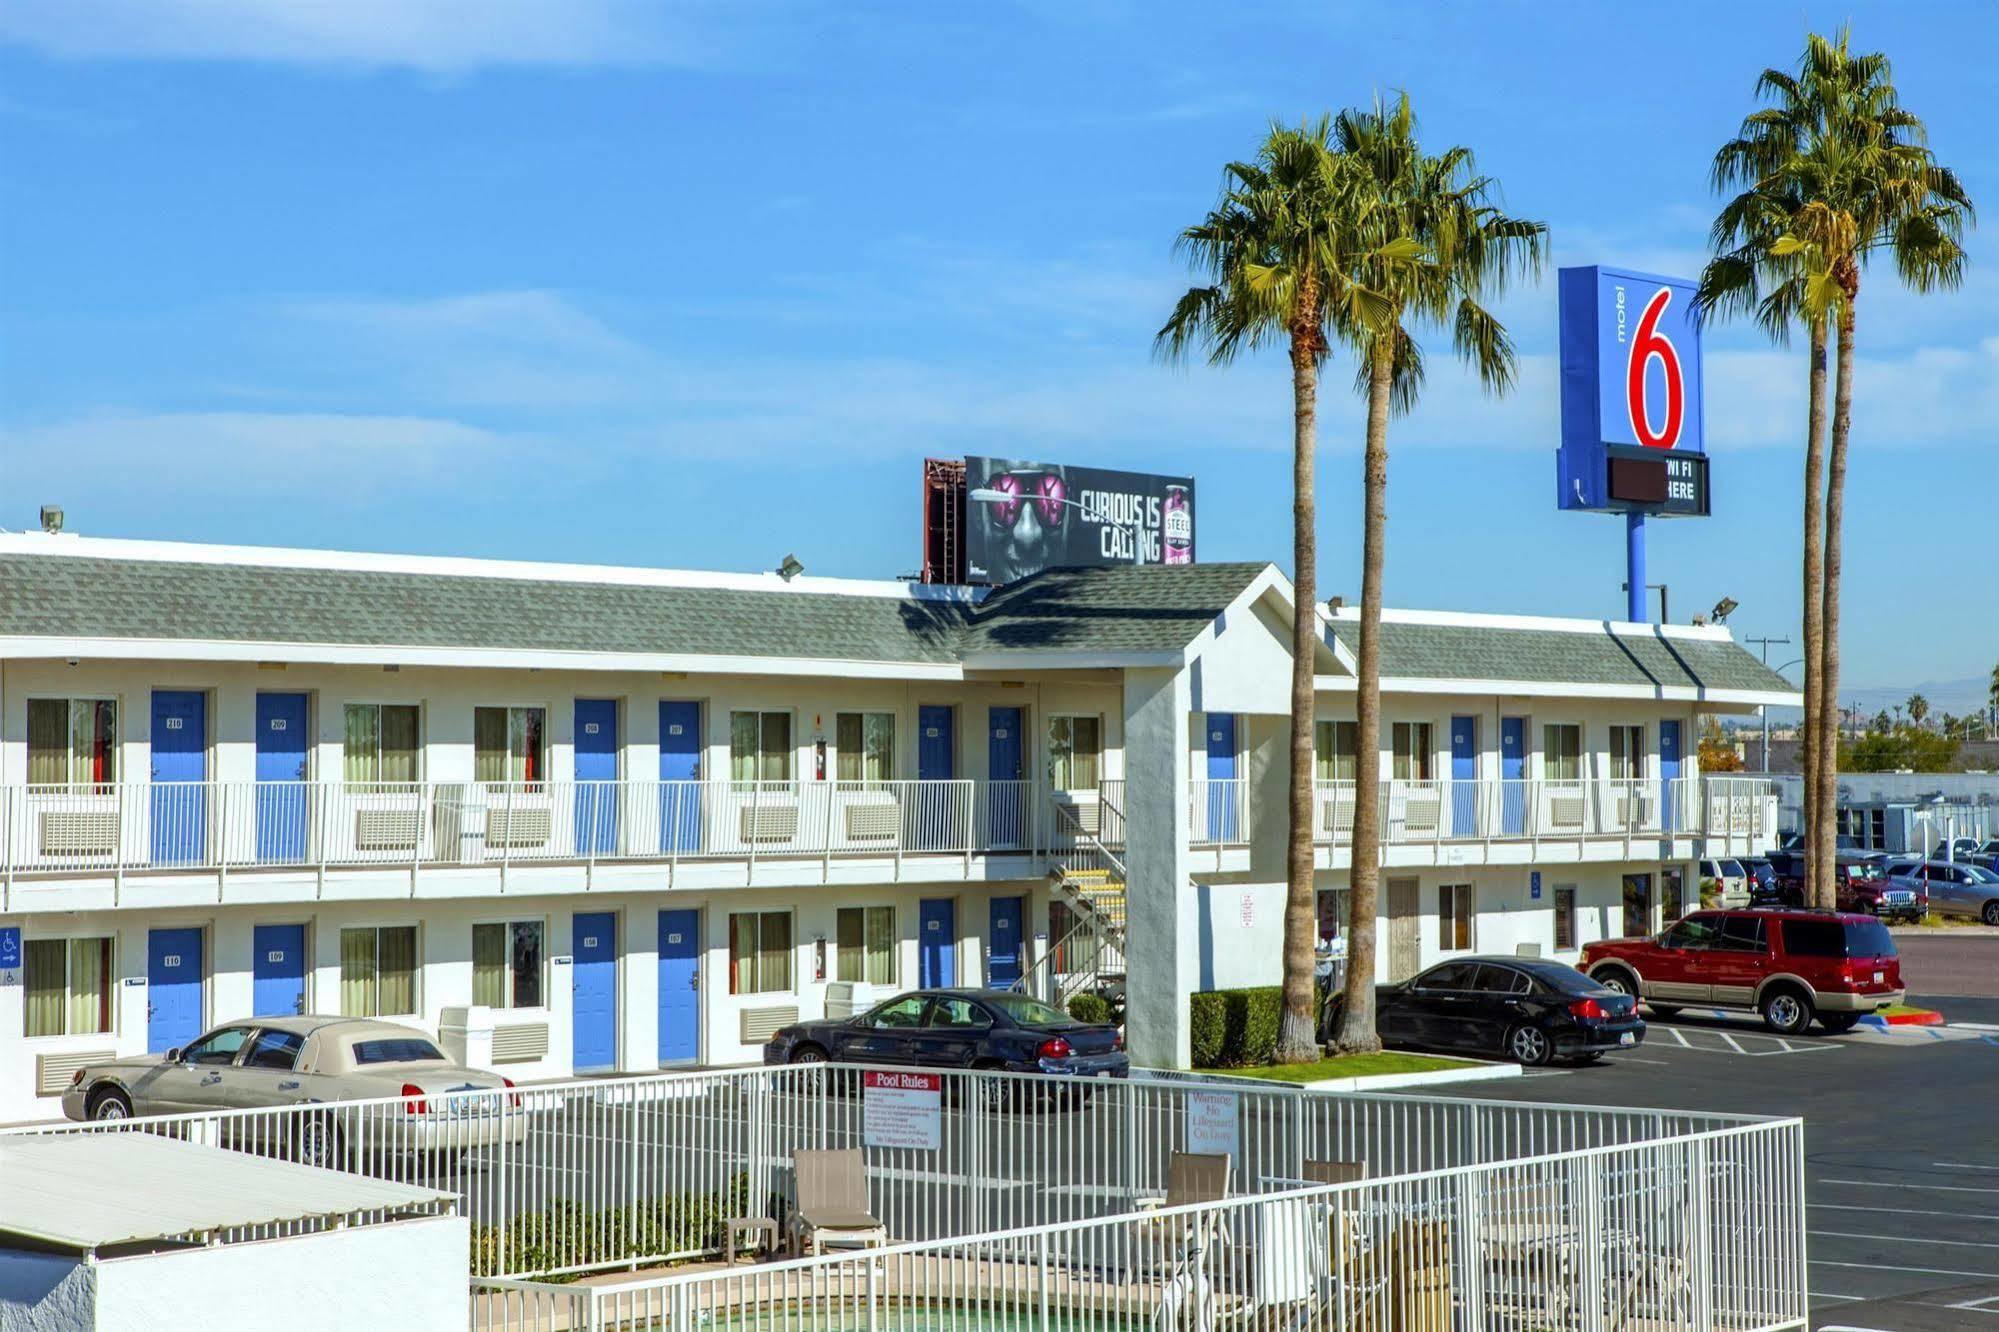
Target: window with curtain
(1412, 751)
(866, 939)
(760, 952)
(866, 746)
(1335, 747)
(509, 744)
(67, 985)
(1454, 916)
(760, 746)
(506, 964)
(1562, 752)
(378, 971)
(72, 742)
(1627, 753)
(1075, 752)
(380, 744)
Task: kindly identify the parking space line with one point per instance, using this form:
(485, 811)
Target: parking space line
(1933, 1188)
(1914, 1271)
(1902, 1239)
(1961, 1165)
(1900, 1211)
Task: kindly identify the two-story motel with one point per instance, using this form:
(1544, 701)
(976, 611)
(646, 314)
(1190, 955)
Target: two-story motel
(635, 818)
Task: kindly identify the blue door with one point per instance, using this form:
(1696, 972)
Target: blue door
(936, 744)
(173, 988)
(1003, 943)
(281, 789)
(180, 769)
(679, 765)
(937, 946)
(679, 987)
(1669, 773)
(278, 970)
(1513, 776)
(1464, 777)
(596, 776)
(1006, 803)
(1222, 788)
(594, 976)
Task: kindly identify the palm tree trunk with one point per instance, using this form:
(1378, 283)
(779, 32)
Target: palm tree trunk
(1814, 579)
(1835, 504)
(1297, 1031)
(1357, 1031)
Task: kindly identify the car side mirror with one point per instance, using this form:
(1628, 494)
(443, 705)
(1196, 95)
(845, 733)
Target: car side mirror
(172, 1056)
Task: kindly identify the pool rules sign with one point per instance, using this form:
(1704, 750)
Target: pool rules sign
(902, 1110)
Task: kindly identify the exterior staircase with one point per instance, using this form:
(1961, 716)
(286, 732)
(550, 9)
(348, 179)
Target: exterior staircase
(1088, 878)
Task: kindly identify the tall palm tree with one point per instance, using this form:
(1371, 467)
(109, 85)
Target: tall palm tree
(1919, 709)
(1279, 253)
(1855, 167)
(1440, 206)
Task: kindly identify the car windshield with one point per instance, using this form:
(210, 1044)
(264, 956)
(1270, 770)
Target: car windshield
(1565, 980)
(1731, 869)
(1979, 874)
(1864, 870)
(1838, 938)
(1026, 1012)
(395, 1050)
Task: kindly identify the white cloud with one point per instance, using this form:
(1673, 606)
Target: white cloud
(434, 36)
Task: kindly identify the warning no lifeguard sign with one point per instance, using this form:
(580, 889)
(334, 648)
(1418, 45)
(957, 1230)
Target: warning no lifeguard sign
(902, 1110)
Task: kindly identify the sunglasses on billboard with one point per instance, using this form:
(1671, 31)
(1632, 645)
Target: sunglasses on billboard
(1045, 491)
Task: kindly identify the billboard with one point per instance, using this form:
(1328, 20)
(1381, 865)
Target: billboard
(1633, 429)
(1022, 517)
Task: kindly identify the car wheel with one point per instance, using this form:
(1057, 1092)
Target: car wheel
(1990, 915)
(1838, 1024)
(110, 1105)
(1616, 980)
(319, 1143)
(1786, 1012)
(808, 1054)
(1529, 1046)
(995, 1092)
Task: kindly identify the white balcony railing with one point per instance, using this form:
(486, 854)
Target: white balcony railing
(1415, 813)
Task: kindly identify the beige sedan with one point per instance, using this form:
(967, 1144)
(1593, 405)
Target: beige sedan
(423, 1101)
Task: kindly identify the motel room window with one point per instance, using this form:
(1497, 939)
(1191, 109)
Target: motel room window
(760, 952)
(1627, 753)
(72, 742)
(68, 986)
(506, 964)
(1637, 905)
(1562, 752)
(378, 971)
(1412, 751)
(380, 743)
(866, 939)
(866, 746)
(760, 746)
(1075, 753)
(1454, 917)
(1565, 917)
(509, 745)
(1672, 894)
(1334, 748)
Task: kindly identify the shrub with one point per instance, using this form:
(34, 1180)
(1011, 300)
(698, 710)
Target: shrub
(1091, 1008)
(1235, 1028)
(567, 1234)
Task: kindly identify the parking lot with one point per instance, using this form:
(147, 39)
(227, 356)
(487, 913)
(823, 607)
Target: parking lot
(1902, 1165)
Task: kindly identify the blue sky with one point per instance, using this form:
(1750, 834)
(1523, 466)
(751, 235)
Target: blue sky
(697, 285)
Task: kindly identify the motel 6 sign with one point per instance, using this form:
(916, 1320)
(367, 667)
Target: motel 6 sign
(1633, 436)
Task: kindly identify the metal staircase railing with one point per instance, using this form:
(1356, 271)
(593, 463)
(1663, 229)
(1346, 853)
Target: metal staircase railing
(1088, 878)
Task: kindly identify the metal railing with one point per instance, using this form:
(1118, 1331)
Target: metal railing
(1693, 1231)
(1415, 813)
(613, 1173)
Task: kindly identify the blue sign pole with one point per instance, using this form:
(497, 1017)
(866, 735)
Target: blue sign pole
(1634, 567)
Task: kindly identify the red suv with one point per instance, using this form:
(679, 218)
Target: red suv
(1790, 966)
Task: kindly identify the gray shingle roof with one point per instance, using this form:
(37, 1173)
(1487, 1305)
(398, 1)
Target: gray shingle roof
(1109, 610)
(1479, 652)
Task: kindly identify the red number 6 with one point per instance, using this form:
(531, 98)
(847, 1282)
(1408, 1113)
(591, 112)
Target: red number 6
(1647, 343)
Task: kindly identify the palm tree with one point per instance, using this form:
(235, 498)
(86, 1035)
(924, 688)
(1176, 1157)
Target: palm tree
(1439, 206)
(1855, 178)
(1919, 709)
(1279, 250)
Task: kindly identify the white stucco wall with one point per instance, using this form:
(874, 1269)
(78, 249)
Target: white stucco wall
(406, 1274)
(42, 1292)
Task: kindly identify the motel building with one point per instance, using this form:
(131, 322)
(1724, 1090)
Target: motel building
(576, 820)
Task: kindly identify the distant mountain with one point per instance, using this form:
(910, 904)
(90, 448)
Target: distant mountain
(1960, 696)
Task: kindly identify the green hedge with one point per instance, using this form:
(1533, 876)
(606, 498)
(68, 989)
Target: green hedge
(569, 1234)
(1091, 1008)
(1238, 1028)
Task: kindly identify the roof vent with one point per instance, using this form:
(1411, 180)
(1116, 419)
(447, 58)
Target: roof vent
(52, 518)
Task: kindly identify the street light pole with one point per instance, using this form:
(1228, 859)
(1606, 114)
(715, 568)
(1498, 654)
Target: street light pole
(1763, 709)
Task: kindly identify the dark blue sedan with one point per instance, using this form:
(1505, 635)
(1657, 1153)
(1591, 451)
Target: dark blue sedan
(973, 1029)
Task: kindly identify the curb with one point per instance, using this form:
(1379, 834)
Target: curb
(1920, 1018)
(1426, 1078)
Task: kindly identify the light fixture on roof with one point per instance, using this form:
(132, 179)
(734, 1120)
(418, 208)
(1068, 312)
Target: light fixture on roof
(791, 568)
(1722, 610)
(52, 518)
(1336, 604)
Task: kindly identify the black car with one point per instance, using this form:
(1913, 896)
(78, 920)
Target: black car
(1527, 1009)
(991, 1029)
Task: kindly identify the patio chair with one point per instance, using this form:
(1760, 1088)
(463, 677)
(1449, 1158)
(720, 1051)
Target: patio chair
(832, 1201)
(1191, 1177)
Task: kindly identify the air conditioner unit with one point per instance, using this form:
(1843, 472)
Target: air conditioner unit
(79, 832)
(770, 823)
